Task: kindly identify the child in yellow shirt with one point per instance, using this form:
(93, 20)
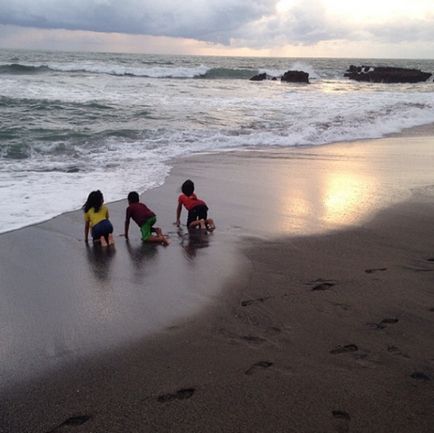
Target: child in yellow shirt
(96, 219)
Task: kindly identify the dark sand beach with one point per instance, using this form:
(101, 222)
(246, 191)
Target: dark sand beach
(309, 309)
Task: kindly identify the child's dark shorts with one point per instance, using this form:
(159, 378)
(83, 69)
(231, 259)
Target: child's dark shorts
(199, 212)
(103, 228)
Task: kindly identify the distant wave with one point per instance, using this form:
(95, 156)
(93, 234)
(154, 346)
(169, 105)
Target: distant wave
(164, 71)
(201, 71)
(224, 73)
(154, 72)
(18, 69)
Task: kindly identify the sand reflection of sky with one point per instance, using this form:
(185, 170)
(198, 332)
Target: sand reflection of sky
(339, 193)
(345, 197)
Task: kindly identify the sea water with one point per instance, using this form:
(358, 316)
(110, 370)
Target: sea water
(74, 122)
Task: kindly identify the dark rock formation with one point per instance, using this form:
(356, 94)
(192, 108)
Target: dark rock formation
(290, 76)
(295, 77)
(386, 74)
(259, 77)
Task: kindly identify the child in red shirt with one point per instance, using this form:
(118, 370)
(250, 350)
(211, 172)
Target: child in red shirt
(197, 209)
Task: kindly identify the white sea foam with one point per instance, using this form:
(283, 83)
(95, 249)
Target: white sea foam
(306, 67)
(34, 197)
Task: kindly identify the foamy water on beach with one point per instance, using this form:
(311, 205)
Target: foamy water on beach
(74, 122)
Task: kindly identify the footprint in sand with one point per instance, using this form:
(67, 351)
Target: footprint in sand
(395, 351)
(261, 365)
(342, 421)
(254, 301)
(74, 421)
(181, 394)
(275, 329)
(389, 321)
(383, 324)
(253, 339)
(418, 375)
(345, 349)
(372, 271)
(321, 284)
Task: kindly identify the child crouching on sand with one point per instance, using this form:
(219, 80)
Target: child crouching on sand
(197, 209)
(144, 218)
(96, 218)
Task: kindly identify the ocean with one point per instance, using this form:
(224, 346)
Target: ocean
(74, 122)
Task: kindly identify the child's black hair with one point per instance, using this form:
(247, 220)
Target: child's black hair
(188, 187)
(133, 197)
(93, 201)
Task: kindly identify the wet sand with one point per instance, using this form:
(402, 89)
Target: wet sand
(309, 309)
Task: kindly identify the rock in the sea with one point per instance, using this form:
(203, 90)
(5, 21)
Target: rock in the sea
(259, 77)
(386, 74)
(295, 77)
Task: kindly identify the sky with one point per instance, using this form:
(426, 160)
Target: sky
(289, 28)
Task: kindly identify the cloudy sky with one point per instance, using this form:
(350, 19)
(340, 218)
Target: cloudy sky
(295, 28)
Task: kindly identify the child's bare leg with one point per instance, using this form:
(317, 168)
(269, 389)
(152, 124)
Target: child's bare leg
(158, 239)
(111, 240)
(157, 230)
(103, 241)
(210, 223)
(200, 223)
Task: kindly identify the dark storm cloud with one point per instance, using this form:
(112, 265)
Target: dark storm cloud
(254, 22)
(188, 19)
